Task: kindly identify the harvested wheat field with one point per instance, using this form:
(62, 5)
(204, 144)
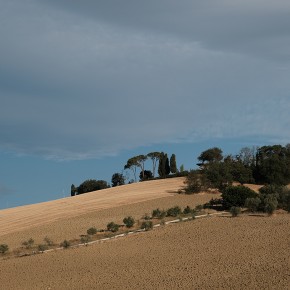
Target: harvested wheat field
(247, 252)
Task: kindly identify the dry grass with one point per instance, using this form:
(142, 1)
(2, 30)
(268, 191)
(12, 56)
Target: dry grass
(248, 252)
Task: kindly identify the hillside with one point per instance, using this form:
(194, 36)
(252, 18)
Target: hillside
(248, 252)
(29, 216)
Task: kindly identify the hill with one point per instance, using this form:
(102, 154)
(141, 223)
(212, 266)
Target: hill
(248, 252)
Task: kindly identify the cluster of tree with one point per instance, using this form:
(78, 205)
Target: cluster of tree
(88, 186)
(268, 165)
(164, 166)
(264, 165)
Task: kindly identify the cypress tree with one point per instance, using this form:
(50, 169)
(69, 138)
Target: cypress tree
(173, 167)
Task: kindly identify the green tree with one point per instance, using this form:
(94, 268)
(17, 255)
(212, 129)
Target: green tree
(236, 196)
(211, 155)
(73, 190)
(92, 185)
(161, 166)
(129, 221)
(173, 167)
(273, 165)
(117, 179)
(141, 161)
(133, 164)
(113, 227)
(92, 231)
(147, 174)
(154, 156)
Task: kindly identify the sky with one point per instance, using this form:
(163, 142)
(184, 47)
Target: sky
(85, 85)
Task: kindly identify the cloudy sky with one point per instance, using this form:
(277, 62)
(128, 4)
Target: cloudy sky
(86, 84)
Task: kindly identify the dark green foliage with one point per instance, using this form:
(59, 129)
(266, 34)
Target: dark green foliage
(218, 174)
(65, 244)
(73, 190)
(141, 162)
(236, 196)
(129, 221)
(112, 227)
(146, 217)
(273, 165)
(42, 247)
(157, 213)
(117, 179)
(188, 210)
(211, 155)
(163, 168)
(92, 185)
(235, 211)
(92, 231)
(28, 244)
(4, 248)
(147, 174)
(195, 182)
(270, 203)
(147, 225)
(252, 203)
(174, 211)
(85, 239)
(173, 167)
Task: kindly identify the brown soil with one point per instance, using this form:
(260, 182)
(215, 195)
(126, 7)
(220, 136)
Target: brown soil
(248, 252)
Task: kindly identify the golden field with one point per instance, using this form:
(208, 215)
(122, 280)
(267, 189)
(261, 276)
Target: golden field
(248, 252)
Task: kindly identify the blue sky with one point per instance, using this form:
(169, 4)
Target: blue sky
(84, 85)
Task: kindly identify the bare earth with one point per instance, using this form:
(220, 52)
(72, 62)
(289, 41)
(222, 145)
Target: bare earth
(248, 252)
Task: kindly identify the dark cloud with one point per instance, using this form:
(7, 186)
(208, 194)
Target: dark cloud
(90, 78)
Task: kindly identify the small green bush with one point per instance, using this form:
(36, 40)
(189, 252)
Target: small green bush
(65, 244)
(129, 221)
(147, 225)
(252, 203)
(157, 213)
(187, 210)
(174, 211)
(147, 217)
(235, 211)
(92, 231)
(48, 241)
(236, 196)
(28, 244)
(4, 248)
(85, 239)
(270, 204)
(199, 207)
(112, 227)
(42, 247)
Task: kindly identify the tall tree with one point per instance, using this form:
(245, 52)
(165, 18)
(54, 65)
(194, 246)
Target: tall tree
(161, 166)
(141, 161)
(167, 166)
(154, 156)
(173, 167)
(133, 164)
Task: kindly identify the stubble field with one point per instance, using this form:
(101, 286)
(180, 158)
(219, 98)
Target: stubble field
(248, 252)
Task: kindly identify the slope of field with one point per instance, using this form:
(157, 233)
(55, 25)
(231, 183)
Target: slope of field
(247, 252)
(24, 217)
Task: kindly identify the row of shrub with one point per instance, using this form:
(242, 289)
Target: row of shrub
(113, 227)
